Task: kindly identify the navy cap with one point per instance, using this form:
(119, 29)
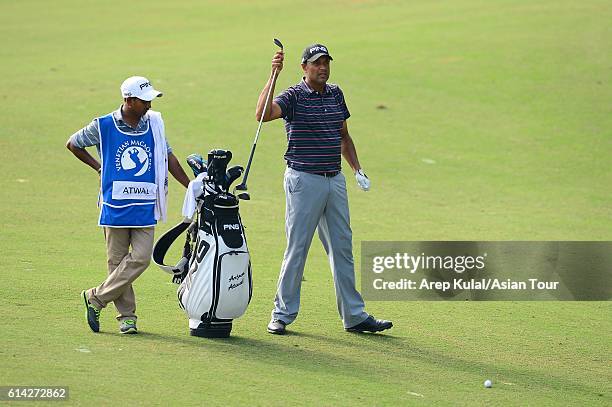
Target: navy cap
(314, 52)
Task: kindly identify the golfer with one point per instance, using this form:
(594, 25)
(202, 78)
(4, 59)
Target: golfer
(315, 115)
(135, 159)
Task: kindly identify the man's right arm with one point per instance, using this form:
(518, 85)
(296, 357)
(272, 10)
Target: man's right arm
(273, 109)
(86, 137)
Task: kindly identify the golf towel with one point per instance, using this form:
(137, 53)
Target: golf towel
(194, 190)
(161, 164)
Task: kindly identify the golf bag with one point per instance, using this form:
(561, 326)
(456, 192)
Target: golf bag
(214, 274)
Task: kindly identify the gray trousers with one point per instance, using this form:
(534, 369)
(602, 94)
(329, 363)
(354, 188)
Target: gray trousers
(314, 201)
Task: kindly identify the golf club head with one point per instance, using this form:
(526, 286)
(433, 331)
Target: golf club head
(196, 163)
(278, 43)
(241, 192)
(232, 175)
(244, 196)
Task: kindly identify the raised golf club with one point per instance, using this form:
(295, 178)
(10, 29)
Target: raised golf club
(242, 188)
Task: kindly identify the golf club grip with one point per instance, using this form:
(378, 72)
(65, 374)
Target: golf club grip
(248, 167)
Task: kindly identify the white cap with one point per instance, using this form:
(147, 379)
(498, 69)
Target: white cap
(139, 87)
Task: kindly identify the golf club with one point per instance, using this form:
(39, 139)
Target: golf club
(231, 175)
(244, 194)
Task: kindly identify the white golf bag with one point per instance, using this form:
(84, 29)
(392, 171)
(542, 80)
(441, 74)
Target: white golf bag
(214, 275)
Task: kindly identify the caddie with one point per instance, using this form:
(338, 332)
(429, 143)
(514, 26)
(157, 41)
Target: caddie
(134, 162)
(315, 115)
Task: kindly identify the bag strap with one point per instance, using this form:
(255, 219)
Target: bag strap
(163, 244)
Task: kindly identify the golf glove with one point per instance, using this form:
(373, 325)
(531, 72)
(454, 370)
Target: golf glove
(362, 180)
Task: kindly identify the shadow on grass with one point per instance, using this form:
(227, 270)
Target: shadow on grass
(525, 376)
(351, 338)
(307, 358)
(367, 356)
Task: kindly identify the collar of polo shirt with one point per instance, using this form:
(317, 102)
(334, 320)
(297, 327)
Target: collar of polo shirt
(309, 89)
(119, 117)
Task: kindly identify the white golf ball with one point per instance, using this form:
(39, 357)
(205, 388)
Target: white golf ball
(488, 383)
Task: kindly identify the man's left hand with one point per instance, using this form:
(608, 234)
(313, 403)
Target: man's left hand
(362, 180)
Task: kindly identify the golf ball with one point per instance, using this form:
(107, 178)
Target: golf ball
(488, 383)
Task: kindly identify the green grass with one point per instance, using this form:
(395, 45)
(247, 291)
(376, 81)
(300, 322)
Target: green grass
(510, 99)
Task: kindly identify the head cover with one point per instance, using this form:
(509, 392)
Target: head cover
(217, 166)
(139, 87)
(314, 52)
(197, 163)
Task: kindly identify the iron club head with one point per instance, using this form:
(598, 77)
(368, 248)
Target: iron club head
(241, 192)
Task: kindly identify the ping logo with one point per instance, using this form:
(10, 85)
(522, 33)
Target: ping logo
(235, 226)
(145, 85)
(317, 49)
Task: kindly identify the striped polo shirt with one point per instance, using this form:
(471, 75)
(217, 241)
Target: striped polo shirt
(313, 122)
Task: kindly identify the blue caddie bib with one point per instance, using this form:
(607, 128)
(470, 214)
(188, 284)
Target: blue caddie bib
(128, 190)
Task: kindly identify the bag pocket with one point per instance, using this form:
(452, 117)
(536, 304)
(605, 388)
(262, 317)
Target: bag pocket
(234, 292)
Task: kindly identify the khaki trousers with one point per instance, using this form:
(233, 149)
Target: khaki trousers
(123, 268)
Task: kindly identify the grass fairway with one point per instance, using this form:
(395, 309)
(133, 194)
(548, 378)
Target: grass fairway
(498, 126)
